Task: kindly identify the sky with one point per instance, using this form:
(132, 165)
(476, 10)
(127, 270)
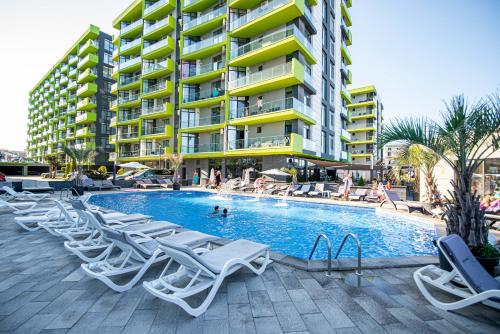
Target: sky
(417, 53)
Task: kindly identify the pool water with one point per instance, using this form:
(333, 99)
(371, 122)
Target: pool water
(288, 227)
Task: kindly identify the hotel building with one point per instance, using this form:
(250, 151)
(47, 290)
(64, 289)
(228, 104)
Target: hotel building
(69, 106)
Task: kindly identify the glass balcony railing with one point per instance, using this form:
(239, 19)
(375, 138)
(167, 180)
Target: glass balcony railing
(202, 148)
(204, 43)
(205, 18)
(260, 142)
(154, 6)
(155, 88)
(193, 122)
(128, 80)
(130, 27)
(272, 106)
(345, 134)
(153, 130)
(153, 109)
(359, 151)
(266, 74)
(202, 95)
(127, 98)
(258, 12)
(368, 112)
(130, 45)
(129, 154)
(155, 46)
(128, 116)
(271, 39)
(156, 25)
(151, 152)
(195, 70)
(130, 62)
(128, 135)
(148, 68)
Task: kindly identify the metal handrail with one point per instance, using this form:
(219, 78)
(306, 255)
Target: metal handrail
(329, 245)
(355, 237)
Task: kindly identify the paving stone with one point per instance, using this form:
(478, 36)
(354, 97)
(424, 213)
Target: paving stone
(241, 319)
(123, 309)
(73, 312)
(22, 315)
(375, 310)
(409, 319)
(140, 321)
(302, 301)
(237, 293)
(398, 328)
(290, 281)
(216, 326)
(255, 283)
(267, 325)
(334, 314)
(288, 317)
(35, 324)
(261, 304)
(218, 309)
(276, 291)
(166, 319)
(313, 288)
(317, 324)
(88, 323)
(62, 302)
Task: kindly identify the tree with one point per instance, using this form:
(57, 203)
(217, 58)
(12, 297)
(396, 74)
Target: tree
(420, 159)
(78, 158)
(175, 161)
(467, 135)
(52, 160)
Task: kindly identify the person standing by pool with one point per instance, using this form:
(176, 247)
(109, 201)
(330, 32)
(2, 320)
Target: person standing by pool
(196, 178)
(347, 186)
(218, 179)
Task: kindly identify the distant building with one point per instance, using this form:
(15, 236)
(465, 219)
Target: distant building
(12, 156)
(390, 151)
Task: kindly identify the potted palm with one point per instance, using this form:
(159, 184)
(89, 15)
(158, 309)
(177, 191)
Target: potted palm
(78, 158)
(175, 161)
(466, 136)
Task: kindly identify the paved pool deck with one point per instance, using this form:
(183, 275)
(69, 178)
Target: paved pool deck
(43, 290)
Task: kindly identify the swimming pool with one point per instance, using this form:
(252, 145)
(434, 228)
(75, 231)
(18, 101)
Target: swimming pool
(289, 229)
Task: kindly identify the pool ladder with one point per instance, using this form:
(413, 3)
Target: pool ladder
(329, 245)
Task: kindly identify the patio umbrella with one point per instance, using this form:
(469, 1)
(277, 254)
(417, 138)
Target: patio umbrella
(274, 172)
(212, 176)
(133, 165)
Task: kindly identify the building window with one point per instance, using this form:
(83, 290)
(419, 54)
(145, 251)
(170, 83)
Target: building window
(307, 132)
(332, 119)
(332, 71)
(324, 62)
(331, 23)
(332, 143)
(108, 59)
(332, 47)
(107, 72)
(323, 142)
(325, 38)
(325, 10)
(108, 46)
(324, 116)
(331, 95)
(259, 129)
(325, 90)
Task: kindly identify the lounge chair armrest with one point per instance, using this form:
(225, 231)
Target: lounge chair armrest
(201, 250)
(143, 236)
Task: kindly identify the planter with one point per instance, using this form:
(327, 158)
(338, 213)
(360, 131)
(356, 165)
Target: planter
(488, 263)
(176, 186)
(78, 190)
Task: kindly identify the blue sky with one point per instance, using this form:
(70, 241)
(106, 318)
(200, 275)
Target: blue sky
(418, 53)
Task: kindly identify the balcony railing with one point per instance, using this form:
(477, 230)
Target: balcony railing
(123, 117)
(205, 18)
(260, 142)
(202, 148)
(202, 95)
(268, 73)
(272, 106)
(367, 151)
(156, 25)
(204, 43)
(153, 110)
(368, 112)
(153, 130)
(192, 122)
(155, 46)
(151, 152)
(154, 6)
(129, 154)
(155, 88)
(202, 69)
(130, 45)
(128, 80)
(128, 135)
(130, 62)
(127, 98)
(148, 68)
(130, 27)
(345, 134)
(258, 12)
(271, 39)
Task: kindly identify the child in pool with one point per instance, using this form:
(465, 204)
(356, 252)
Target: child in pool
(224, 213)
(215, 212)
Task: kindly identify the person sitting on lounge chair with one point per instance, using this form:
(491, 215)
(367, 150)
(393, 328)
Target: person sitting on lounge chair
(487, 201)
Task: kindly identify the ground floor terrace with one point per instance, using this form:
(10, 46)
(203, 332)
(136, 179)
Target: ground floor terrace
(43, 290)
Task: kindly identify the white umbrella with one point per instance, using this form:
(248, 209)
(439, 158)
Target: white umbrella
(247, 177)
(275, 172)
(212, 175)
(133, 165)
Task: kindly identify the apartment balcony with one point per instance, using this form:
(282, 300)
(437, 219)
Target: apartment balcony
(70, 135)
(128, 136)
(85, 118)
(72, 73)
(201, 124)
(113, 105)
(204, 48)
(161, 89)
(63, 92)
(72, 85)
(346, 32)
(64, 68)
(345, 135)
(114, 88)
(90, 74)
(203, 150)
(129, 154)
(159, 28)
(86, 90)
(85, 146)
(129, 101)
(128, 83)
(203, 98)
(279, 76)
(344, 93)
(155, 152)
(84, 133)
(355, 128)
(197, 74)
(158, 9)
(363, 141)
(263, 18)
(346, 73)
(71, 97)
(158, 70)
(197, 5)
(72, 60)
(344, 51)
(345, 114)
(345, 156)
(112, 139)
(364, 103)
(91, 46)
(277, 44)
(282, 144)
(160, 111)
(89, 61)
(115, 55)
(159, 49)
(345, 12)
(162, 131)
(272, 111)
(131, 47)
(205, 23)
(365, 114)
(126, 118)
(130, 65)
(132, 30)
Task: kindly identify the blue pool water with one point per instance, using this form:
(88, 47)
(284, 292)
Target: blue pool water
(288, 229)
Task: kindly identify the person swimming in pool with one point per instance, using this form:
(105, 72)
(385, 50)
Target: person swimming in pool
(224, 213)
(216, 211)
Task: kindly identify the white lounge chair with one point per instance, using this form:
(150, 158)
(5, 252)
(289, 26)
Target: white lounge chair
(135, 255)
(24, 195)
(19, 208)
(339, 193)
(303, 191)
(393, 198)
(476, 284)
(198, 272)
(319, 188)
(359, 195)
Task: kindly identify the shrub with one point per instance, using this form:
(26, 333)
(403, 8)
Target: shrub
(102, 170)
(361, 182)
(120, 171)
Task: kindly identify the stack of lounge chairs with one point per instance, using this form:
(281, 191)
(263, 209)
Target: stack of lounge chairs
(37, 186)
(118, 249)
(90, 185)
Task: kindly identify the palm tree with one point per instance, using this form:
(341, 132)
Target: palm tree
(80, 157)
(52, 160)
(421, 159)
(467, 135)
(175, 161)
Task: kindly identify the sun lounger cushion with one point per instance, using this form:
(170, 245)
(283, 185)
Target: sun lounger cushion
(149, 227)
(467, 265)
